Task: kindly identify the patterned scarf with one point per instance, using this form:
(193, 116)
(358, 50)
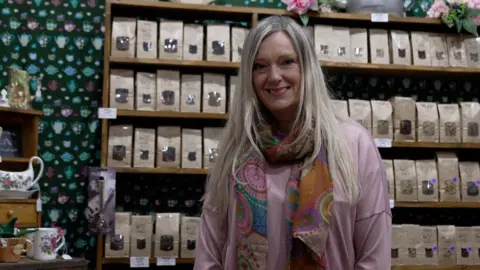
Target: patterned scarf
(309, 195)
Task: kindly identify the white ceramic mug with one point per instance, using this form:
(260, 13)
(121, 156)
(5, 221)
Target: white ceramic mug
(47, 243)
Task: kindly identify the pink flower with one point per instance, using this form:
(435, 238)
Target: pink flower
(475, 4)
(301, 6)
(438, 9)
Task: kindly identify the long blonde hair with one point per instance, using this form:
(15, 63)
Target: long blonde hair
(240, 132)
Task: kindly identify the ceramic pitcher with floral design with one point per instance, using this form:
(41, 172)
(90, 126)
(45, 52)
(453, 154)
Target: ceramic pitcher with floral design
(46, 243)
(21, 181)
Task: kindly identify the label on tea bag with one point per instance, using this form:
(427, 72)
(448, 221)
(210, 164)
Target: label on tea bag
(107, 113)
(166, 261)
(139, 262)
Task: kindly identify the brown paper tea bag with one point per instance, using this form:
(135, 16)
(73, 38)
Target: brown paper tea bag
(210, 145)
(464, 245)
(122, 93)
(193, 42)
(169, 152)
(388, 165)
(146, 91)
(429, 236)
(218, 42)
(427, 122)
(168, 90)
(449, 123)
(438, 50)
(404, 119)
(405, 180)
(144, 146)
(188, 234)
(427, 180)
(340, 107)
(398, 244)
(118, 245)
(476, 244)
(421, 49)
(412, 250)
(470, 112)
(214, 93)
(147, 41)
(361, 112)
(192, 148)
(123, 37)
(167, 235)
(400, 45)
(238, 37)
(141, 235)
(446, 245)
(170, 39)
(382, 122)
(447, 166)
(120, 140)
(191, 93)
(470, 181)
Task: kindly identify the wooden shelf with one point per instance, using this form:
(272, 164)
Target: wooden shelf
(152, 261)
(15, 160)
(377, 69)
(436, 267)
(437, 205)
(20, 111)
(209, 9)
(161, 170)
(21, 201)
(174, 115)
(436, 145)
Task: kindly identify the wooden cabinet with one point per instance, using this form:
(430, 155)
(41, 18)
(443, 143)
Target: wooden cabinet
(24, 209)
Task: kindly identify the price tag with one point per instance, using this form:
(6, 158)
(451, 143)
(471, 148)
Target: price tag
(392, 204)
(66, 257)
(166, 261)
(379, 17)
(39, 205)
(139, 262)
(383, 143)
(107, 113)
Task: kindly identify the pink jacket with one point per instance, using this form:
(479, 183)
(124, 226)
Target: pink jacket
(360, 236)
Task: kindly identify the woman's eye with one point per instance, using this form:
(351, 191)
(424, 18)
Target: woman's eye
(288, 62)
(258, 66)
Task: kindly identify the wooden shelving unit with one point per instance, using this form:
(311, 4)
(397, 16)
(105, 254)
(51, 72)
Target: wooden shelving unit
(24, 210)
(251, 16)
(378, 69)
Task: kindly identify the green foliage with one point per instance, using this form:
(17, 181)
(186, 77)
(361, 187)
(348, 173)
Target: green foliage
(462, 17)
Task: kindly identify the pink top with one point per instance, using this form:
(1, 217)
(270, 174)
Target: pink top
(360, 235)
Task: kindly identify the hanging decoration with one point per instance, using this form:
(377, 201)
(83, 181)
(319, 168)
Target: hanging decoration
(464, 14)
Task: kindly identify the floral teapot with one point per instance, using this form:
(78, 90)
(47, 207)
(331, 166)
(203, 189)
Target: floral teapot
(21, 181)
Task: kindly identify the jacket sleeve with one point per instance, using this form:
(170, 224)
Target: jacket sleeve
(373, 218)
(211, 240)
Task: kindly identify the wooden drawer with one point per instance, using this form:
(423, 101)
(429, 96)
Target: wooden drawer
(25, 212)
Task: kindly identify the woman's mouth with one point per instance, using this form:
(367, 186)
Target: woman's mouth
(277, 91)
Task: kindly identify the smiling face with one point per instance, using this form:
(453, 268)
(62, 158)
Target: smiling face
(276, 76)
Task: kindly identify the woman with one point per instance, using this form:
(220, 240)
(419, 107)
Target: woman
(308, 190)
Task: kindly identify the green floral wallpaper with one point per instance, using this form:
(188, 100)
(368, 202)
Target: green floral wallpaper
(60, 41)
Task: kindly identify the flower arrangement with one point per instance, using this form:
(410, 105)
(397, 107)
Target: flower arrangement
(464, 14)
(301, 7)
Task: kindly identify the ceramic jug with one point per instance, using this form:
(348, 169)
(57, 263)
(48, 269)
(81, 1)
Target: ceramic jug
(21, 181)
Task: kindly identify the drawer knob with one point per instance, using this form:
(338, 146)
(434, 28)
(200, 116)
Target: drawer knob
(10, 213)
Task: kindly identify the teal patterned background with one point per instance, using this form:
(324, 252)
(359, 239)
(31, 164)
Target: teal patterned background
(61, 41)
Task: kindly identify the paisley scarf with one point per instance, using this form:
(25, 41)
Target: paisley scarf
(308, 198)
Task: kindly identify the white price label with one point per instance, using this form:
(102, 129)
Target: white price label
(66, 257)
(139, 262)
(383, 143)
(392, 204)
(166, 261)
(39, 205)
(107, 113)
(379, 17)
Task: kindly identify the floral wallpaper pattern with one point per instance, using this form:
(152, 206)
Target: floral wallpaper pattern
(61, 42)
